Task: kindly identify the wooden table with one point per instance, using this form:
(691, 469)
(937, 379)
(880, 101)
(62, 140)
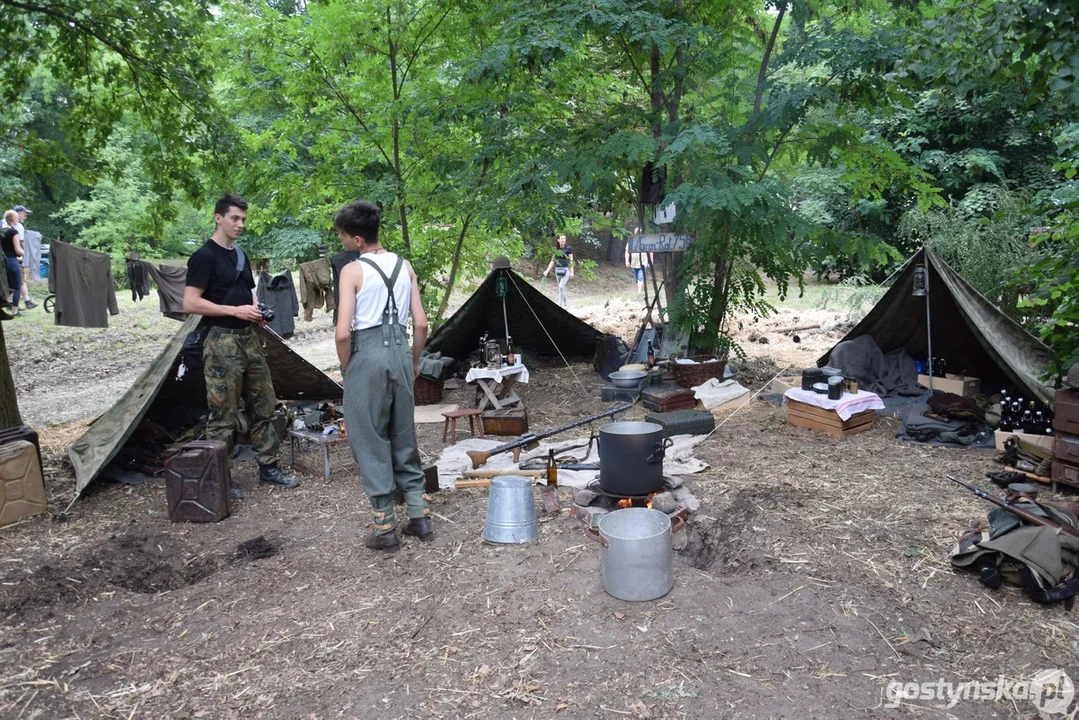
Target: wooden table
(489, 378)
(312, 437)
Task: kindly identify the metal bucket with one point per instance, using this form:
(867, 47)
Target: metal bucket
(511, 511)
(631, 458)
(638, 562)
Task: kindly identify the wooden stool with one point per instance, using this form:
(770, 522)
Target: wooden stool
(450, 425)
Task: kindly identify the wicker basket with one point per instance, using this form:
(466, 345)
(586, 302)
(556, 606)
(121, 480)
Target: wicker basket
(428, 392)
(691, 375)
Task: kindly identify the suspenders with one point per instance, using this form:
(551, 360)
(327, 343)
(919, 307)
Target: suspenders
(389, 313)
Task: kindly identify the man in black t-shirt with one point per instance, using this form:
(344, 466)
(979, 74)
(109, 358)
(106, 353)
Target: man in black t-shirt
(233, 362)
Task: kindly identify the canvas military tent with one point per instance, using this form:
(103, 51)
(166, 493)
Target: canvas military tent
(968, 331)
(160, 395)
(535, 323)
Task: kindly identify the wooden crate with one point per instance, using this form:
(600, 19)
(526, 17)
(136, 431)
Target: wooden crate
(964, 385)
(815, 418)
(508, 421)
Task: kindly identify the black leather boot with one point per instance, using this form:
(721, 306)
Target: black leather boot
(420, 528)
(387, 542)
(272, 474)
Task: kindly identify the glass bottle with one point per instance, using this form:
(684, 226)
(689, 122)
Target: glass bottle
(651, 355)
(552, 470)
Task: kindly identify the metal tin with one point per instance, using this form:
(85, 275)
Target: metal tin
(811, 376)
(835, 387)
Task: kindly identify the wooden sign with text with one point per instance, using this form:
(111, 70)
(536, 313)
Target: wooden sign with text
(660, 242)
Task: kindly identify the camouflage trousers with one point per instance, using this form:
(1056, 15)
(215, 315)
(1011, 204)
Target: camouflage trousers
(236, 373)
(381, 423)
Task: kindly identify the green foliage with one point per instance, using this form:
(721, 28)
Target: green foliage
(116, 218)
(119, 59)
(1051, 283)
(983, 237)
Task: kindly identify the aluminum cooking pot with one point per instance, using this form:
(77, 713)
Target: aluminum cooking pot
(637, 559)
(628, 378)
(631, 458)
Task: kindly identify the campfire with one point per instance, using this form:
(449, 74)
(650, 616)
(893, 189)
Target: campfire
(592, 502)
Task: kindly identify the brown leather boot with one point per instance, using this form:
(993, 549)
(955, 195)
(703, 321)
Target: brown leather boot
(382, 541)
(420, 528)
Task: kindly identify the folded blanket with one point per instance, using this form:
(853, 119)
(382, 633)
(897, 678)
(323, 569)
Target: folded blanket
(891, 374)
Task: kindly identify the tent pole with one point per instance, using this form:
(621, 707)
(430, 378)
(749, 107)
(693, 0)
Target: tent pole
(506, 323)
(928, 323)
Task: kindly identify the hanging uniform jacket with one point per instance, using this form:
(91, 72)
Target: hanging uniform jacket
(137, 278)
(170, 281)
(279, 294)
(83, 284)
(316, 287)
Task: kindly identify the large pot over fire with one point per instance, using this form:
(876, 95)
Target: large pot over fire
(631, 458)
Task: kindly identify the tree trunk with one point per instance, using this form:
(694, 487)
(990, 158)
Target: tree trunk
(9, 404)
(762, 74)
(395, 129)
(453, 268)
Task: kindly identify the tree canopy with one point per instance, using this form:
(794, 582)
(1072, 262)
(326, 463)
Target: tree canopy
(789, 135)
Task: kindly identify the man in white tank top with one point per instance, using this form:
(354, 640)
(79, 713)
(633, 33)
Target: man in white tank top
(378, 292)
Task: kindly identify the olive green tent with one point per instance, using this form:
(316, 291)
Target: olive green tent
(160, 393)
(535, 323)
(970, 333)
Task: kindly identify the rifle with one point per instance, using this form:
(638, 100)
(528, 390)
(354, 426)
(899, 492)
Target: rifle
(1019, 512)
(479, 457)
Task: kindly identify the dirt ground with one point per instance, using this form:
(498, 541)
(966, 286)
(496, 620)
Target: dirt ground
(816, 572)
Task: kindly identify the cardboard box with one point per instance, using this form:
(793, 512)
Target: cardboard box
(964, 385)
(1042, 441)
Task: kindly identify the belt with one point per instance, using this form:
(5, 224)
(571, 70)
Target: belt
(231, 331)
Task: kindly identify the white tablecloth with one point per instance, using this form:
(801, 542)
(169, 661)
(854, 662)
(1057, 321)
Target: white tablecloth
(497, 374)
(845, 406)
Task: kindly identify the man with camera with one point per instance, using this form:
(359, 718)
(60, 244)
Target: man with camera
(221, 287)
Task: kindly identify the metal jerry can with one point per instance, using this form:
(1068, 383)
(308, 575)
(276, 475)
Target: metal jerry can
(197, 482)
(22, 485)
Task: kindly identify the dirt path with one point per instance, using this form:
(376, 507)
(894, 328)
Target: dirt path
(814, 575)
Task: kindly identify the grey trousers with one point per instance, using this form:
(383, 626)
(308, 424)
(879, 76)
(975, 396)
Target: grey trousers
(563, 299)
(380, 422)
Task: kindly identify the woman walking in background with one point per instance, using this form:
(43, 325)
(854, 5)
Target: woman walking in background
(562, 262)
(12, 246)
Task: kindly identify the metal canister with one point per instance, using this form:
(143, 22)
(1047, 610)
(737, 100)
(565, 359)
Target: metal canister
(835, 387)
(810, 376)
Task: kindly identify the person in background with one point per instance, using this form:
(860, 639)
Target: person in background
(562, 263)
(378, 291)
(233, 360)
(638, 262)
(11, 243)
(21, 211)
